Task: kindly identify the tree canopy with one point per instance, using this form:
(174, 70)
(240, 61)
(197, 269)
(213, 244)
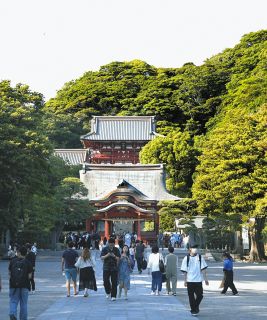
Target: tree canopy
(34, 187)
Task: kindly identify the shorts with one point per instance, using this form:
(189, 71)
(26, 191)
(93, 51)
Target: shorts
(71, 274)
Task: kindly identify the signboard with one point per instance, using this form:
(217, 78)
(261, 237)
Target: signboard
(245, 238)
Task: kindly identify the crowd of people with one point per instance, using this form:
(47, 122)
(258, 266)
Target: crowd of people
(118, 264)
(176, 240)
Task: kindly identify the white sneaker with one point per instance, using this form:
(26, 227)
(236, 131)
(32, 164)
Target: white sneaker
(113, 299)
(157, 293)
(107, 296)
(153, 293)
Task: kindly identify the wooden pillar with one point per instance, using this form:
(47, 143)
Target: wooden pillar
(138, 228)
(88, 225)
(106, 229)
(157, 226)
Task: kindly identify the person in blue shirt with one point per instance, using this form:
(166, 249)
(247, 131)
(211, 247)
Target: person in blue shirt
(228, 274)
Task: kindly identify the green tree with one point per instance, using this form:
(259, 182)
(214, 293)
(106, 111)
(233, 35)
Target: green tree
(23, 151)
(177, 151)
(64, 202)
(171, 210)
(231, 176)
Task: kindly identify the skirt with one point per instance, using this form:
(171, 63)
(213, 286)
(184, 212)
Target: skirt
(87, 279)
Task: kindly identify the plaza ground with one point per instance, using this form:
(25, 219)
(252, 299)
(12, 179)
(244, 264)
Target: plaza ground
(50, 302)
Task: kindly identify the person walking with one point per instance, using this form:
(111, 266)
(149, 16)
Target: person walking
(160, 240)
(153, 266)
(31, 256)
(69, 258)
(34, 248)
(20, 271)
(186, 242)
(132, 254)
(127, 239)
(110, 256)
(171, 266)
(86, 266)
(172, 240)
(124, 271)
(228, 274)
(139, 255)
(194, 268)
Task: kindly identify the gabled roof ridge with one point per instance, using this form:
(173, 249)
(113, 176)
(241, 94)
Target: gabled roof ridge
(121, 128)
(123, 117)
(133, 187)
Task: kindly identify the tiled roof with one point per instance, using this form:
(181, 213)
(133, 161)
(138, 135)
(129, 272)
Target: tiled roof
(121, 128)
(147, 179)
(71, 156)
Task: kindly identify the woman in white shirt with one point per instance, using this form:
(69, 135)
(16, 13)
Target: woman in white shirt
(153, 266)
(86, 265)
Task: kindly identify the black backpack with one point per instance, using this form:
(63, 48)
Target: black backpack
(19, 273)
(188, 257)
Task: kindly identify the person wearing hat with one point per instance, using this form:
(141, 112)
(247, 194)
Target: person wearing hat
(194, 268)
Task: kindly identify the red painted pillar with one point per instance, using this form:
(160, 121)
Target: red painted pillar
(88, 225)
(106, 229)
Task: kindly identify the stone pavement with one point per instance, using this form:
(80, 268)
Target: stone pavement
(50, 302)
(140, 304)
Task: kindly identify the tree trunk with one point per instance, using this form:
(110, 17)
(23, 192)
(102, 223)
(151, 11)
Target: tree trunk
(259, 226)
(55, 236)
(257, 246)
(254, 254)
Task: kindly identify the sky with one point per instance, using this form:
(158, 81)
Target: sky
(46, 43)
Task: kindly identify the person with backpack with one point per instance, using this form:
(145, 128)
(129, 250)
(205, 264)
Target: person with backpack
(20, 271)
(194, 268)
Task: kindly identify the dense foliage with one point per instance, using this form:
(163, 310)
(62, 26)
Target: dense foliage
(35, 197)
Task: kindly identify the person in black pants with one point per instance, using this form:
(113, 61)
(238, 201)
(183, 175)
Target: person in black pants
(194, 268)
(228, 274)
(139, 254)
(31, 256)
(110, 256)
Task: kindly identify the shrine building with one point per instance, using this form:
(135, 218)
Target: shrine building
(124, 192)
